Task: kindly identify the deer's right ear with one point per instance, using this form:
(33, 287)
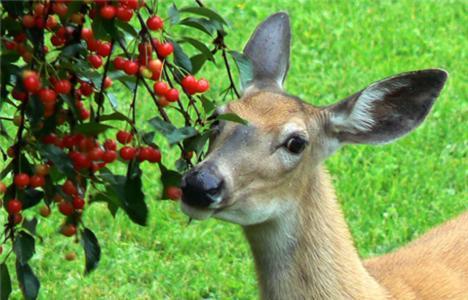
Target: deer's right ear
(387, 109)
(268, 50)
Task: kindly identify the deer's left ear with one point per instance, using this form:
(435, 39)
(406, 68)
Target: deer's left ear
(386, 109)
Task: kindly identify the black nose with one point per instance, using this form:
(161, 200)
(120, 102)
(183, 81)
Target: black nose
(202, 186)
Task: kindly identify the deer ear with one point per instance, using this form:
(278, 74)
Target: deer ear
(386, 109)
(268, 50)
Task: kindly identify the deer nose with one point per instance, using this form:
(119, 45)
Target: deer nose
(202, 187)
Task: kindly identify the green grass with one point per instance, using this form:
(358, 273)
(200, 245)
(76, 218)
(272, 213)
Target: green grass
(389, 194)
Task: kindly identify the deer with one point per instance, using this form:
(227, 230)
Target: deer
(268, 176)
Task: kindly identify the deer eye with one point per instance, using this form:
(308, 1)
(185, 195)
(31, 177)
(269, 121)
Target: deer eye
(295, 144)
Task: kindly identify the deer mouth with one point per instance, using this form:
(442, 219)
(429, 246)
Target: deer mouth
(196, 213)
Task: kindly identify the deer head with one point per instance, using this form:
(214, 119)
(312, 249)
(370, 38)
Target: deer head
(258, 171)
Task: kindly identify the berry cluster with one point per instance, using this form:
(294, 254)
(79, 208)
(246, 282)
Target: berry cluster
(74, 74)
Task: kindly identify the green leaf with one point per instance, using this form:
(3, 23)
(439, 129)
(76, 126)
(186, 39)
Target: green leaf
(208, 105)
(197, 62)
(244, 66)
(5, 282)
(180, 58)
(173, 14)
(59, 158)
(92, 250)
(200, 24)
(30, 225)
(24, 247)
(172, 134)
(169, 178)
(14, 8)
(7, 170)
(31, 197)
(200, 46)
(231, 117)
(104, 29)
(28, 281)
(129, 193)
(92, 128)
(112, 99)
(115, 116)
(72, 50)
(205, 12)
(127, 29)
(197, 143)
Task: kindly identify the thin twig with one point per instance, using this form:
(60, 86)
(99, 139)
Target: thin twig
(100, 95)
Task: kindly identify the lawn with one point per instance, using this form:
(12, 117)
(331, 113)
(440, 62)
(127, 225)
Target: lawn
(390, 194)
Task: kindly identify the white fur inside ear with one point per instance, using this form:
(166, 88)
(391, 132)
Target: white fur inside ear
(360, 118)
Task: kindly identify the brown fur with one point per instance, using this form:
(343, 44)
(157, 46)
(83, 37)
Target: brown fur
(316, 258)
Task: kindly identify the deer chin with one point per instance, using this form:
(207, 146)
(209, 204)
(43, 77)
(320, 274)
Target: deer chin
(196, 213)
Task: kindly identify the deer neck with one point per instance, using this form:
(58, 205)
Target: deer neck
(307, 253)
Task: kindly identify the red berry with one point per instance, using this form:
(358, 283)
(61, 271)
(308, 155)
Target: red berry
(96, 154)
(154, 155)
(68, 230)
(164, 49)
(109, 156)
(45, 211)
(155, 23)
(92, 44)
(51, 22)
(20, 37)
(190, 84)
(66, 208)
(124, 137)
(173, 192)
(161, 88)
(144, 153)
(50, 139)
(78, 203)
(85, 114)
(107, 12)
(128, 153)
(57, 41)
(17, 218)
(86, 34)
(81, 161)
(120, 62)
(95, 60)
(39, 9)
(37, 181)
(86, 89)
(39, 22)
(203, 85)
(10, 45)
(110, 145)
(104, 49)
(107, 82)
(28, 21)
(42, 169)
(22, 180)
(155, 65)
(133, 4)
(31, 81)
(62, 86)
(172, 95)
(124, 13)
(69, 188)
(60, 9)
(3, 188)
(14, 206)
(47, 95)
(19, 95)
(131, 67)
